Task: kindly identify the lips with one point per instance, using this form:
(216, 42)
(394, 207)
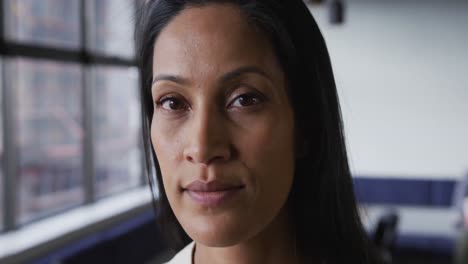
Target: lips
(214, 193)
(213, 186)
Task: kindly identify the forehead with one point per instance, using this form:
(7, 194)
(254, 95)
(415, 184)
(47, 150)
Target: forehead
(212, 38)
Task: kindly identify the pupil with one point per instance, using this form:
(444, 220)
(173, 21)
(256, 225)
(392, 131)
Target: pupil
(173, 104)
(246, 100)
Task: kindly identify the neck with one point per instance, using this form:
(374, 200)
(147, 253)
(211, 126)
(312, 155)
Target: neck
(275, 244)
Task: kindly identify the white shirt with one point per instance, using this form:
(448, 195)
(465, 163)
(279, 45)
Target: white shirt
(184, 256)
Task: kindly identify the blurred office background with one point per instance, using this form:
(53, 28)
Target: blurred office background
(72, 187)
(401, 73)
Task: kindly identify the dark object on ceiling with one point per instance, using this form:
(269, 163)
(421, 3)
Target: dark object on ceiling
(336, 10)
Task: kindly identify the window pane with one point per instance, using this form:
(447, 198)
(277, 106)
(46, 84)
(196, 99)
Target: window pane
(110, 31)
(44, 22)
(116, 123)
(50, 134)
(1, 147)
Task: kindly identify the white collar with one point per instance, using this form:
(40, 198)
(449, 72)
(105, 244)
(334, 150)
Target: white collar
(185, 256)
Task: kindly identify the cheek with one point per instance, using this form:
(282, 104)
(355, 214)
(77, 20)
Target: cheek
(268, 140)
(166, 144)
(267, 149)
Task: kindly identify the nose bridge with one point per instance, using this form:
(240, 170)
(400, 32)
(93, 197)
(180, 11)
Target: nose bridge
(205, 125)
(208, 137)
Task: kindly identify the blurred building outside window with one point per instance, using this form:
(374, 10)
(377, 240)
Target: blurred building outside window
(45, 22)
(50, 134)
(116, 124)
(110, 28)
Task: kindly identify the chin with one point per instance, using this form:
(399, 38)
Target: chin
(217, 232)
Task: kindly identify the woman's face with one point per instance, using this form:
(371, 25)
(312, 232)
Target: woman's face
(222, 126)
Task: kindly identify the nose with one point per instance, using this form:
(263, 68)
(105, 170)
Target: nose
(207, 138)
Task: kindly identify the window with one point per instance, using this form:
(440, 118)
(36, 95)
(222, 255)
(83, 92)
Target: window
(70, 113)
(45, 22)
(116, 123)
(110, 29)
(48, 122)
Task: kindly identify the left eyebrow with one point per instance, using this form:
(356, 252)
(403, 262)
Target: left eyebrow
(243, 70)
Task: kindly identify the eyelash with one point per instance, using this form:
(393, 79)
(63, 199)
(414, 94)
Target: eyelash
(164, 99)
(251, 95)
(257, 97)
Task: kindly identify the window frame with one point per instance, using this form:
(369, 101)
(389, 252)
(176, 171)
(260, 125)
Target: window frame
(84, 57)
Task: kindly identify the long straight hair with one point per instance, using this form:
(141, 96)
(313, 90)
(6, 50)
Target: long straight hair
(322, 203)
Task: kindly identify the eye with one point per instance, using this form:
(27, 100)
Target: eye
(246, 100)
(172, 103)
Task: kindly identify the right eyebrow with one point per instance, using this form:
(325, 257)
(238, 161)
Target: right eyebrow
(171, 78)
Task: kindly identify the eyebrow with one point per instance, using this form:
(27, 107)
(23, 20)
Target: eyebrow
(225, 78)
(243, 70)
(171, 78)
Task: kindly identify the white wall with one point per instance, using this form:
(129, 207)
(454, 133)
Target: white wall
(402, 73)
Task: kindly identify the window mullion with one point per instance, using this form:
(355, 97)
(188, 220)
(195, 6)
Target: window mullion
(89, 172)
(88, 146)
(10, 153)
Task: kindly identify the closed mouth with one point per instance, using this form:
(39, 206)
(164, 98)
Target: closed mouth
(214, 193)
(213, 186)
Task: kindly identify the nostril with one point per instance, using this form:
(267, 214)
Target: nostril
(216, 155)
